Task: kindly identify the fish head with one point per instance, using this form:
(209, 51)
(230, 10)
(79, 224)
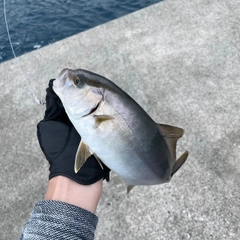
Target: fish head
(78, 93)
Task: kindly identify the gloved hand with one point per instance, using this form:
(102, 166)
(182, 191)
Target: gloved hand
(59, 142)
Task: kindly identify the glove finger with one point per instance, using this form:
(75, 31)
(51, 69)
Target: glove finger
(53, 137)
(54, 106)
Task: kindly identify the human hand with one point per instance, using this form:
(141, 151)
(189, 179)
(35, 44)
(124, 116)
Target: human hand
(59, 142)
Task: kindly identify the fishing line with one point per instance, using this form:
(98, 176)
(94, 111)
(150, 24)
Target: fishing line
(16, 59)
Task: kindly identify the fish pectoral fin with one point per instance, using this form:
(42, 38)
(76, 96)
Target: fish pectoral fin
(179, 162)
(129, 188)
(171, 135)
(83, 153)
(101, 118)
(98, 160)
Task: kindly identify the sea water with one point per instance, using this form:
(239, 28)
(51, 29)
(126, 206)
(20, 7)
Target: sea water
(34, 24)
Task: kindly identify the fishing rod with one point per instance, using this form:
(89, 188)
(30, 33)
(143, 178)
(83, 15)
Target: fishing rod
(40, 102)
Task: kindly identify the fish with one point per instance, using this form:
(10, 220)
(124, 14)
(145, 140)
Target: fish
(117, 130)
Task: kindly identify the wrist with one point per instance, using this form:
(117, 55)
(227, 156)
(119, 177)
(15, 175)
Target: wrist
(66, 190)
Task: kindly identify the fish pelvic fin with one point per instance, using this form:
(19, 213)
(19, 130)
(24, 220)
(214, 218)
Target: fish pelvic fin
(83, 153)
(179, 162)
(101, 118)
(171, 135)
(129, 188)
(98, 160)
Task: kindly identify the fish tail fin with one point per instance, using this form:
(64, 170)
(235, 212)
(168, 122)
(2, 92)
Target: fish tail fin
(129, 188)
(179, 162)
(171, 135)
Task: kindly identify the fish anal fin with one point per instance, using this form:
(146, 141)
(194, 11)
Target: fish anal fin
(83, 153)
(101, 118)
(171, 135)
(129, 188)
(179, 162)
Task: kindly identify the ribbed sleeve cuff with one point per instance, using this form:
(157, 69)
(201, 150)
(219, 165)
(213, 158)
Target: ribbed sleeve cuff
(52, 219)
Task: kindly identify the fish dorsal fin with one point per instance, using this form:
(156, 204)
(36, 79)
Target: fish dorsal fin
(101, 118)
(129, 188)
(83, 153)
(171, 135)
(179, 162)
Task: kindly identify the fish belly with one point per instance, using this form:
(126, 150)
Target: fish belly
(139, 157)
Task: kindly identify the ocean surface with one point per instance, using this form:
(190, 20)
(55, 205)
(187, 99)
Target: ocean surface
(34, 24)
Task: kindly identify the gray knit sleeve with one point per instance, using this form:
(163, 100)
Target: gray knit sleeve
(57, 220)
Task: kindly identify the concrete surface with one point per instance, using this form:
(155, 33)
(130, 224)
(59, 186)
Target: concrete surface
(180, 60)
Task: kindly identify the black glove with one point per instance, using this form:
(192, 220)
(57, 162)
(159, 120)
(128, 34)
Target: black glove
(59, 142)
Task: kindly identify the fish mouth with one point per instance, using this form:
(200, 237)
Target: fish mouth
(92, 110)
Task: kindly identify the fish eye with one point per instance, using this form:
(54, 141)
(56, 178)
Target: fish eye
(79, 81)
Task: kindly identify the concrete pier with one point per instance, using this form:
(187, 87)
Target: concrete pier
(180, 60)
